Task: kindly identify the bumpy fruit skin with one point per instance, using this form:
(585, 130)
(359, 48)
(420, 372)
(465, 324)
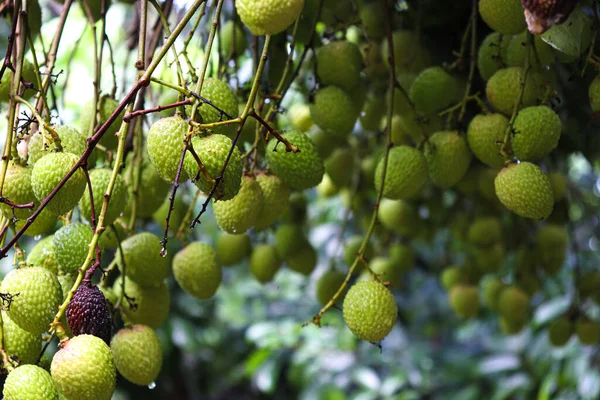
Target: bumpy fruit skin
(152, 190)
(386, 271)
(328, 284)
(525, 190)
(398, 216)
(17, 188)
(513, 304)
(240, 213)
(484, 133)
(221, 95)
(406, 173)
(299, 116)
(39, 295)
(107, 106)
(339, 64)
(268, 17)
(46, 175)
(433, 90)
(43, 224)
(371, 15)
(150, 304)
(464, 300)
(370, 311)
(165, 144)
(275, 195)
(100, 179)
(301, 170)
(143, 262)
(448, 158)
(594, 94)
(18, 343)
(304, 260)
(232, 249)
(42, 255)
(264, 262)
(489, 56)
(504, 16)
(540, 54)
(28, 74)
(537, 131)
(71, 141)
(29, 382)
(137, 353)
(212, 151)
(351, 248)
(84, 369)
(197, 271)
(503, 88)
(71, 246)
(87, 313)
(334, 111)
(233, 40)
(588, 332)
(560, 331)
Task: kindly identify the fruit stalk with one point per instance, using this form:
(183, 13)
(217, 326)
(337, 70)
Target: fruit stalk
(473, 61)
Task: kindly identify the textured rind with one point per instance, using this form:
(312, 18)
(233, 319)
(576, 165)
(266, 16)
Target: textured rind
(71, 141)
(28, 74)
(540, 55)
(484, 133)
(264, 262)
(386, 271)
(221, 95)
(334, 111)
(502, 89)
(268, 17)
(406, 173)
(301, 170)
(100, 179)
(107, 106)
(71, 246)
(370, 311)
(513, 303)
(151, 303)
(240, 213)
(398, 216)
(537, 131)
(87, 313)
(42, 255)
(339, 63)
(39, 295)
(165, 144)
(504, 16)
(143, 262)
(275, 195)
(433, 90)
(525, 190)
(137, 354)
(29, 382)
(212, 151)
(328, 284)
(84, 369)
(17, 188)
(339, 166)
(46, 175)
(18, 343)
(152, 191)
(197, 271)
(464, 300)
(489, 56)
(232, 249)
(448, 158)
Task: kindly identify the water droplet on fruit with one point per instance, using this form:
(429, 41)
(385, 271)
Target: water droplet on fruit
(152, 385)
(163, 252)
(37, 237)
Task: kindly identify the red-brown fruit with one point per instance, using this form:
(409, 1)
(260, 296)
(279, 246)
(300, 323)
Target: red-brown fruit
(542, 14)
(88, 313)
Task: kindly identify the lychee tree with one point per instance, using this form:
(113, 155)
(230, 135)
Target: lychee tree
(191, 191)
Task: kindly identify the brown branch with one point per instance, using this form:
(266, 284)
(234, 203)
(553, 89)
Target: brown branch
(289, 147)
(15, 205)
(165, 239)
(130, 116)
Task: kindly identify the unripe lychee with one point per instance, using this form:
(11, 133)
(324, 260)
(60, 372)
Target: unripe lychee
(42, 255)
(540, 53)
(144, 305)
(141, 260)
(537, 131)
(268, 17)
(491, 292)
(71, 246)
(220, 95)
(165, 142)
(485, 231)
(287, 239)
(197, 271)
(340, 167)
(301, 170)
(36, 295)
(525, 190)
(232, 249)
(386, 271)
(328, 285)
(46, 175)
(490, 54)
(370, 311)
(241, 212)
(433, 90)
(137, 354)
(452, 276)
(406, 173)
(594, 94)
(17, 189)
(151, 191)
(464, 300)
(513, 304)
(43, 224)
(275, 195)
(485, 134)
(84, 369)
(503, 89)
(560, 185)
(334, 111)
(588, 332)
(29, 382)
(303, 260)
(409, 53)
(233, 40)
(560, 331)
(398, 216)
(448, 158)
(100, 179)
(402, 257)
(264, 262)
(351, 248)
(19, 343)
(71, 141)
(339, 64)
(107, 105)
(504, 16)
